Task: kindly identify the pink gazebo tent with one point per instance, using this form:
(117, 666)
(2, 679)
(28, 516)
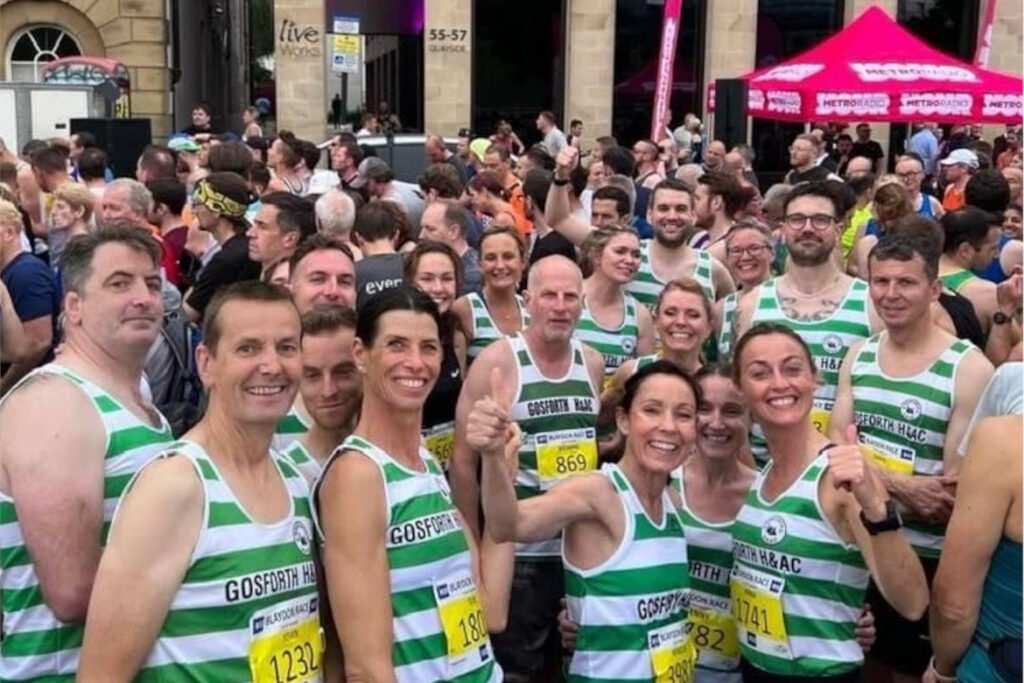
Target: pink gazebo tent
(875, 70)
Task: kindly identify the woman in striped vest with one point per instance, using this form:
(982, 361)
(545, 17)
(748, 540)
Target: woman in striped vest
(612, 321)
(498, 310)
(411, 596)
(623, 546)
(682, 322)
(816, 524)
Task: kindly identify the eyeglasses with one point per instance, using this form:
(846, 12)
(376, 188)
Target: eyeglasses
(910, 175)
(819, 221)
(752, 250)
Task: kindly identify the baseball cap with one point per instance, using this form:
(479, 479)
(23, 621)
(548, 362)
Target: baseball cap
(370, 168)
(961, 156)
(479, 147)
(183, 144)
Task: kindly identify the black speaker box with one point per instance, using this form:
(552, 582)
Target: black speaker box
(122, 139)
(730, 111)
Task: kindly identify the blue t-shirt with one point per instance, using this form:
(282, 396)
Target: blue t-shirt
(33, 289)
(994, 271)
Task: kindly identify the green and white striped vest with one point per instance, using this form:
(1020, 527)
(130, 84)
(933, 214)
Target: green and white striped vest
(243, 577)
(797, 588)
(35, 644)
(485, 330)
(615, 344)
(298, 455)
(725, 335)
(289, 429)
(646, 286)
(829, 339)
(956, 280)
(431, 574)
(903, 421)
(641, 588)
(643, 361)
(709, 552)
(558, 419)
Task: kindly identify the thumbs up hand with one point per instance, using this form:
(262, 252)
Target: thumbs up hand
(489, 429)
(851, 471)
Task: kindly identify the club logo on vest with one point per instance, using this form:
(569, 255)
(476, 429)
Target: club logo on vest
(832, 343)
(301, 536)
(773, 530)
(910, 409)
(442, 485)
(628, 344)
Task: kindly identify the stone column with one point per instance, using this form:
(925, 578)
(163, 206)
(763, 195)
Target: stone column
(589, 77)
(1006, 54)
(299, 46)
(447, 65)
(854, 8)
(730, 43)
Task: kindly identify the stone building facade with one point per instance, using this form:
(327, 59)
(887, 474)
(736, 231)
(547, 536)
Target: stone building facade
(729, 31)
(131, 31)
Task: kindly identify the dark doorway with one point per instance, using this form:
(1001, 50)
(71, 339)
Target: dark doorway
(518, 64)
(637, 44)
(785, 29)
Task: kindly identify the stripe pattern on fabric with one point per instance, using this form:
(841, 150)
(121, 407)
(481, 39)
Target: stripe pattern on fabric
(425, 543)
(825, 578)
(544, 406)
(828, 339)
(615, 344)
(646, 286)
(908, 416)
(238, 568)
(641, 587)
(485, 329)
(35, 644)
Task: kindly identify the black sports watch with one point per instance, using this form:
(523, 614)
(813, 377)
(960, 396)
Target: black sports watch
(891, 522)
(1000, 318)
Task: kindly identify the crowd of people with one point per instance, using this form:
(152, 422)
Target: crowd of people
(561, 412)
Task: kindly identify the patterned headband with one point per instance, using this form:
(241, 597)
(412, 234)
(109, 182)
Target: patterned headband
(218, 203)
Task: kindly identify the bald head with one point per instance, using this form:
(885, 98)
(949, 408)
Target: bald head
(552, 266)
(859, 166)
(433, 145)
(554, 300)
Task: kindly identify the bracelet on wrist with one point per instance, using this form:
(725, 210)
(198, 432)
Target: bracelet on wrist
(941, 678)
(559, 182)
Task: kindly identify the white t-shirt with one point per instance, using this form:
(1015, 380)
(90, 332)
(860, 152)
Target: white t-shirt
(1004, 395)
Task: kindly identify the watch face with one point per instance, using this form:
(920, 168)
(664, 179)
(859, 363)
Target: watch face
(1000, 318)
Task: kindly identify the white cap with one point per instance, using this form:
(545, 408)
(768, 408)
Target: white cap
(961, 156)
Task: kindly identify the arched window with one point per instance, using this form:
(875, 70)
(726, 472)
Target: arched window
(32, 47)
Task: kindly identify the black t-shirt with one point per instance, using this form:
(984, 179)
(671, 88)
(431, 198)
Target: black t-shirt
(965, 319)
(811, 175)
(870, 149)
(229, 265)
(552, 243)
(376, 273)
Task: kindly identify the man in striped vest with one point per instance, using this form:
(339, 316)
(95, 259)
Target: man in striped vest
(668, 256)
(911, 390)
(829, 309)
(557, 383)
(74, 432)
(210, 572)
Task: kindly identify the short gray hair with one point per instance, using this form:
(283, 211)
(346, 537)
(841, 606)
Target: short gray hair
(335, 212)
(139, 198)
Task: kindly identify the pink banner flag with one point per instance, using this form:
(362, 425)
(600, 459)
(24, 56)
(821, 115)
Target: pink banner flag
(985, 35)
(666, 59)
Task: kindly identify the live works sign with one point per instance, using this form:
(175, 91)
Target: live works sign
(298, 40)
